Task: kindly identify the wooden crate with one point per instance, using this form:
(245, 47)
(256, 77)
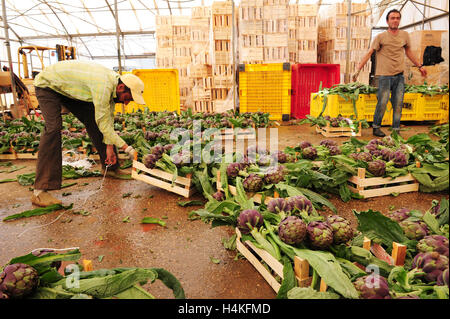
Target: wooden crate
(381, 186)
(256, 256)
(182, 185)
(329, 131)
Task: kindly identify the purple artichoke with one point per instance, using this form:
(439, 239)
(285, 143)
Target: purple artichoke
(365, 157)
(233, 169)
(388, 141)
(301, 203)
(18, 280)
(248, 219)
(292, 230)
(334, 150)
(387, 154)
(304, 144)
(274, 175)
(277, 205)
(400, 159)
(399, 215)
(219, 195)
(431, 243)
(309, 153)
(280, 156)
(150, 160)
(264, 160)
(253, 183)
(342, 231)
(431, 263)
(377, 167)
(372, 287)
(442, 279)
(320, 234)
(414, 230)
(328, 143)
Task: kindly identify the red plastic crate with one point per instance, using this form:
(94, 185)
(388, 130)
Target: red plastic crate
(305, 79)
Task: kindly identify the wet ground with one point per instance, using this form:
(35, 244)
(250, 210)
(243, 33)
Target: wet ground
(109, 232)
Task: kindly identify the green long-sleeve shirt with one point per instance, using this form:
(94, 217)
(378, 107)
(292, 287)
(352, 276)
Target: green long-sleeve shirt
(90, 82)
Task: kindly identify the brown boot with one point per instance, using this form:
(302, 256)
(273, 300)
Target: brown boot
(44, 199)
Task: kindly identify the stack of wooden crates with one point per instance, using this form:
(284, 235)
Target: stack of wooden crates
(333, 37)
(222, 56)
(275, 32)
(173, 35)
(200, 70)
(250, 23)
(303, 33)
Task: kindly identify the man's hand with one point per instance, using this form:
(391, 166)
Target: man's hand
(423, 71)
(130, 152)
(355, 76)
(111, 157)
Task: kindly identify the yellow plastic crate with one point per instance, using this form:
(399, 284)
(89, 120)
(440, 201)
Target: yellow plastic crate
(336, 105)
(412, 106)
(433, 107)
(266, 88)
(162, 89)
(444, 108)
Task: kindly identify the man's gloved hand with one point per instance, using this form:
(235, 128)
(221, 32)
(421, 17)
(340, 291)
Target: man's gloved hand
(355, 76)
(130, 152)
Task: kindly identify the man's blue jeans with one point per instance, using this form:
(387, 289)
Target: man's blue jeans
(394, 86)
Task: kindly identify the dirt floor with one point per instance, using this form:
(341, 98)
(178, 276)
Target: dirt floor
(110, 233)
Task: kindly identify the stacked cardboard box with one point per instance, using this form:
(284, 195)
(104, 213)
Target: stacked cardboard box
(303, 33)
(436, 74)
(275, 31)
(333, 25)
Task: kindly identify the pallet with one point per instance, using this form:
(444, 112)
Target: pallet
(182, 185)
(255, 255)
(384, 185)
(329, 131)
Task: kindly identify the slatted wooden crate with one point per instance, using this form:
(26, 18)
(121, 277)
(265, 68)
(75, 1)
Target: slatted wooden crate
(329, 131)
(181, 185)
(257, 256)
(381, 186)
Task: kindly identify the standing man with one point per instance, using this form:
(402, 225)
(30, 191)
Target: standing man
(89, 91)
(390, 47)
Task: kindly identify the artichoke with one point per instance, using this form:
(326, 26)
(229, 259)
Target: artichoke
(334, 150)
(442, 279)
(363, 156)
(435, 243)
(292, 230)
(18, 280)
(400, 159)
(280, 156)
(372, 287)
(388, 141)
(432, 264)
(304, 144)
(248, 219)
(414, 230)
(342, 231)
(309, 153)
(377, 167)
(277, 205)
(399, 215)
(253, 183)
(328, 143)
(150, 160)
(264, 160)
(274, 175)
(387, 154)
(320, 234)
(301, 203)
(233, 169)
(219, 195)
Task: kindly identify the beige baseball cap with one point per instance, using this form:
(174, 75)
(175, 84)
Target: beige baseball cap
(136, 86)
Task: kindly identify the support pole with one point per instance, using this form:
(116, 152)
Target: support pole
(349, 37)
(8, 49)
(116, 16)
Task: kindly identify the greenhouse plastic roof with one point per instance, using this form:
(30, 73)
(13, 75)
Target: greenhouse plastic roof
(90, 26)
